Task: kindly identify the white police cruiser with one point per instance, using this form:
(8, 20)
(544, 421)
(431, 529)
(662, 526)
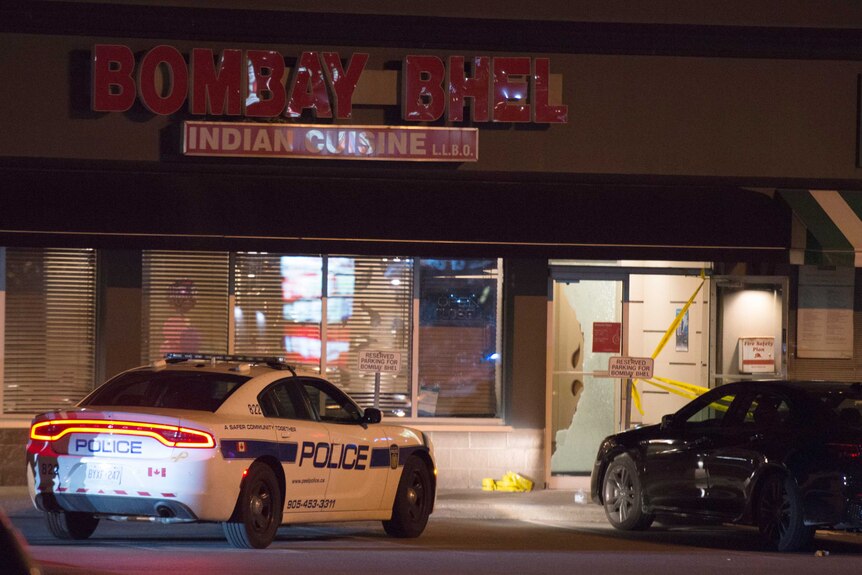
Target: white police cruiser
(244, 441)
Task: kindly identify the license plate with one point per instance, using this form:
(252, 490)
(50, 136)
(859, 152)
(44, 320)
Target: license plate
(100, 473)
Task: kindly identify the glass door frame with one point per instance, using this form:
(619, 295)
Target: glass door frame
(576, 274)
(716, 323)
(622, 412)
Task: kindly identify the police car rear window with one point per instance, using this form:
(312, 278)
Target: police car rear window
(199, 391)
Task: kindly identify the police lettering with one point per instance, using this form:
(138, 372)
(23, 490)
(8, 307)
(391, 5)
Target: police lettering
(334, 455)
(109, 446)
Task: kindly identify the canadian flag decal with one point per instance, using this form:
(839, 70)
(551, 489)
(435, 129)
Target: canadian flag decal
(157, 472)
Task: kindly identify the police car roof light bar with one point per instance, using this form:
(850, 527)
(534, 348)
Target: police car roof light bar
(271, 361)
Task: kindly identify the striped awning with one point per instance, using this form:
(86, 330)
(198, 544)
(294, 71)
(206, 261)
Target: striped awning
(833, 225)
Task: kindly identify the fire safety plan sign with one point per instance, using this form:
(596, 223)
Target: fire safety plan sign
(757, 355)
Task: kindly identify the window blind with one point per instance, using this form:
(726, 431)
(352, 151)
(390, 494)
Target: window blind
(369, 303)
(185, 302)
(278, 303)
(49, 328)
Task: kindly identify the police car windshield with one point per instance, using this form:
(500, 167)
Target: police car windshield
(199, 391)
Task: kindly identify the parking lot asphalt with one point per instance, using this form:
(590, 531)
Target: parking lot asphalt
(536, 505)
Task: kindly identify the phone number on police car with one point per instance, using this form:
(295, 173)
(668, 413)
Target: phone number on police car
(310, 503)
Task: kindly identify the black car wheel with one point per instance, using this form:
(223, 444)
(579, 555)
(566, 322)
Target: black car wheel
(258, 511)
(71, 525)
(780, 514)
(412, 501)
(623, 496)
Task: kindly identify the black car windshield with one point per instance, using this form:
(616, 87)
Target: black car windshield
(199, 391)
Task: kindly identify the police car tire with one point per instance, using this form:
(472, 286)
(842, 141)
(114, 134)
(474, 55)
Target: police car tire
(258, 511)
(71, 525)
(412, 504)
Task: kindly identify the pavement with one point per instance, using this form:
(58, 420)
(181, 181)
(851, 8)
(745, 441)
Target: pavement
(571, 506)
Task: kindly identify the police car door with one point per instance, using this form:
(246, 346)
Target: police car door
(299, 438)
(359, 456)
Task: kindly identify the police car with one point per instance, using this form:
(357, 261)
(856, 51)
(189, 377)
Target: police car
(245, 441)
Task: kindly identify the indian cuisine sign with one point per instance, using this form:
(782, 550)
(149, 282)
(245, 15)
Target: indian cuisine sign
(267, 140)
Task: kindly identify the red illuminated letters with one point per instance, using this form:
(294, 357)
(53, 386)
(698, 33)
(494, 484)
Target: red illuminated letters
(266, 92)
(113, 85)
(343, 81)
(216, 92)
(510, 94)
(423, 88)
(252, 83)
(309, 88)
(462, 87)
(543, 113)
(518, 88)
(178, 80)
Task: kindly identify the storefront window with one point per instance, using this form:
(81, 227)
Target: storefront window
(369, 306)
(321, 312)
(279, 301)
(459, 344)
(185, 303)
(48, 320)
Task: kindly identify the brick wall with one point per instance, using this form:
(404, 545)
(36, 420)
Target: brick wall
(464, 458)
(12, 461)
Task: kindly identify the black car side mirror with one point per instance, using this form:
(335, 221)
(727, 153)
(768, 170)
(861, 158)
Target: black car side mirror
(667, 421)
(372, 415)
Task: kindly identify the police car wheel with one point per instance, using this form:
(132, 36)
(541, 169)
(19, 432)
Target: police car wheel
(258, 511)
(412, 502)
(69, 525)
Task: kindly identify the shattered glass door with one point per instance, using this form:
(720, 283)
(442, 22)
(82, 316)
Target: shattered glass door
(587, 328)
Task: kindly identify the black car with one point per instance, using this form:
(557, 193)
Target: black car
(784, 456)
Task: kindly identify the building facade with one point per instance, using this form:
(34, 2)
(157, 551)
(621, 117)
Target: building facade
(502, 199)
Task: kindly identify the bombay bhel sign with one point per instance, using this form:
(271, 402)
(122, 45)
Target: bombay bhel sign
(259, 84)
(267, 92)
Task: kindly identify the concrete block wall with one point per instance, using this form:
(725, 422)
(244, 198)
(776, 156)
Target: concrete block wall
(464, 458)
(13, 442)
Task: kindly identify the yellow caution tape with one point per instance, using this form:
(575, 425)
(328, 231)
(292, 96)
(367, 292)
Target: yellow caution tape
(696, 389)
(676, 321)
(670, 389)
